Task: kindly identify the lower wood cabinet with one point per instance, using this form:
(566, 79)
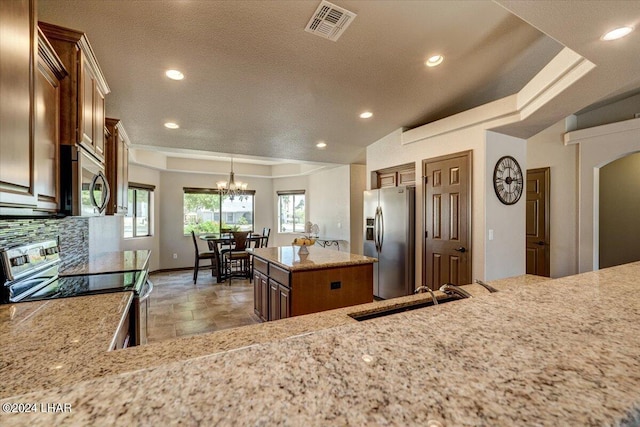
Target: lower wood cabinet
(279, 293)
(271, 298)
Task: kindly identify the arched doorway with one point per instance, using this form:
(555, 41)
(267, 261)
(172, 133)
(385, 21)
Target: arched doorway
(619, 211)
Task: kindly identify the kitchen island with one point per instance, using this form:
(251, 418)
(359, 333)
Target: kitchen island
(539, 352)
(287, 283)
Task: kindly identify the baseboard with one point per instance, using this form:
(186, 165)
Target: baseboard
(168, 270)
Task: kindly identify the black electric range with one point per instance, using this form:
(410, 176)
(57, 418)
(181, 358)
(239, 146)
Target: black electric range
(30, 273)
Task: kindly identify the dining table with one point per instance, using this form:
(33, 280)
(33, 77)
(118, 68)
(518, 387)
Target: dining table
(220, 241)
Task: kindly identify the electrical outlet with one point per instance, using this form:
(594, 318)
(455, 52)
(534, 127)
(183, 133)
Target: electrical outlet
(175, 256)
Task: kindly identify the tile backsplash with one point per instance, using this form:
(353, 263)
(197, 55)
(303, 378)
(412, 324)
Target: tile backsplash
(73, 233)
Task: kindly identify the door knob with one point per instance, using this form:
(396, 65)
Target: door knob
(461, 249)
(541, 243)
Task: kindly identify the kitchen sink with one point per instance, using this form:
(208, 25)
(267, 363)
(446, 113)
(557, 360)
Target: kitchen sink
(399, 309)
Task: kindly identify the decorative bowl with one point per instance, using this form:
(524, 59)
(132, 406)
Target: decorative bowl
(303, 242)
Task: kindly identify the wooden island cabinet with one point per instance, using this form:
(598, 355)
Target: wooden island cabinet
(287, 284)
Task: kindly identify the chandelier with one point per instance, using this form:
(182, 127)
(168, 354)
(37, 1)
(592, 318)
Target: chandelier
(232, 188)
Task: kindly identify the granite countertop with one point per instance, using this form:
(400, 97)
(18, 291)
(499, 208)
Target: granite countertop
(45, 340)
(555, 352)
(111, 262)
(95, 361)
(317, 258)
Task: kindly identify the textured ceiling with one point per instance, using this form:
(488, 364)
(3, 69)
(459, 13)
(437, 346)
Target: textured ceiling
(257, 84)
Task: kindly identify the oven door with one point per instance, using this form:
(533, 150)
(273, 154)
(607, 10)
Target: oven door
(94, 188)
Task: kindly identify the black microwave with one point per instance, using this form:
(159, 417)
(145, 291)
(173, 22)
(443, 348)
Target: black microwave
(84, 189)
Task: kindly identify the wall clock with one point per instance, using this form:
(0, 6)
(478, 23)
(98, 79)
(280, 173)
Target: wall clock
(507, 180)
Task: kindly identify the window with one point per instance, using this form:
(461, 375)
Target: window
(291, 211)
(203, 208)
(137, 222)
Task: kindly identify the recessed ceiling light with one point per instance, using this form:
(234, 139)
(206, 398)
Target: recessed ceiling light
(618, 33)
(174, 75)
(366, 115)
(321, 144)
(171, 125)
(434, 60)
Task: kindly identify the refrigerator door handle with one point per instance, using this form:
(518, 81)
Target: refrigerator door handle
(375, 230)
(381, 239)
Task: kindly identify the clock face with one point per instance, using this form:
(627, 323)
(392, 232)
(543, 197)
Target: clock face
(507, 180)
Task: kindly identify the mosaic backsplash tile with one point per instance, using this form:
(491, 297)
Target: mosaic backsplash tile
(72, 232)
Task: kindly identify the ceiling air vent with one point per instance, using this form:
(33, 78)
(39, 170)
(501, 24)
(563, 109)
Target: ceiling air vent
(329, 21)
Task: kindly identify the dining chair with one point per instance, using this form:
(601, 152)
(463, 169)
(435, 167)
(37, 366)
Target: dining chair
(236, 260)
(266, 231)
(202, 255)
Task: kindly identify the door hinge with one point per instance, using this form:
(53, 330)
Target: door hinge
(426, 234)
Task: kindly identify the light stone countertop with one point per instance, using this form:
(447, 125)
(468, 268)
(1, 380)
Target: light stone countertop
(95, 361)
(555, 352)
(111, 262)
(288, 257)
(43, 341)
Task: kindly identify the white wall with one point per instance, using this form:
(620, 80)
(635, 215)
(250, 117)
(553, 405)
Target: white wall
(143, 175)
(283, 184)
(389, 152)
(598, 146)
(547, 149)
(172, 238)
(330, 195)
(505, 254)
(459, 136)
(358, 185)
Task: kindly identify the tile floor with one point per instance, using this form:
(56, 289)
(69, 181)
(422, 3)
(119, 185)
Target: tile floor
(180, 308)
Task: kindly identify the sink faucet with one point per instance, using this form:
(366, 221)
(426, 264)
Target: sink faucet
(451, 289)
(484, 285)
(423, 289)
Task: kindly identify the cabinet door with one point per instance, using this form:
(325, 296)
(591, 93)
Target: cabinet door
(284, 301)
(264, 295)
(16, 117)
(122, 175)
(407, 177)
(387, 179)
(86, 104)
(46, 152)
(98, 120)
(257, 294)
(274, 300)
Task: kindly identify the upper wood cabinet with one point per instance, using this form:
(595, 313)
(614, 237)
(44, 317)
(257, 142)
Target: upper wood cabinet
(17, 44)
(395, 176)
(82, 117)
(117, 166)
(50, 72)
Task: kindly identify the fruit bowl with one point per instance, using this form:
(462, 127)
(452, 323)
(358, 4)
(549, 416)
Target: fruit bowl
(303, 242)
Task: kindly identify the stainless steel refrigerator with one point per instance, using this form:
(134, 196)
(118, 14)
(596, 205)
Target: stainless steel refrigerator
(389, 235)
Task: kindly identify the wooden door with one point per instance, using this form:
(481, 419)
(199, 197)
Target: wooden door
(447, 212)
(537, 229)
